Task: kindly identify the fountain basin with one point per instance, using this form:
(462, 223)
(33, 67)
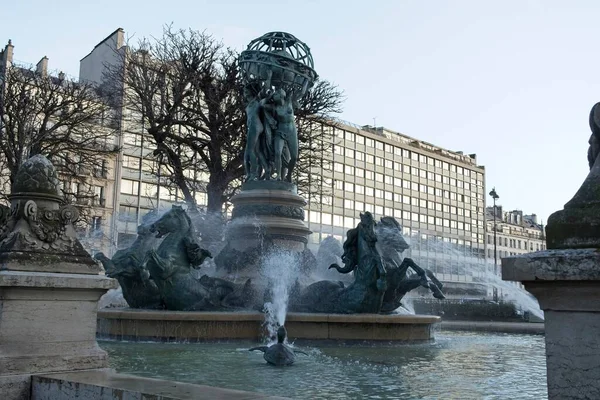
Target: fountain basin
(133, 324)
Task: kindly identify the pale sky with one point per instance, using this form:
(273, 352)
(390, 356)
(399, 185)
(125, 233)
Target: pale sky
(512, 81)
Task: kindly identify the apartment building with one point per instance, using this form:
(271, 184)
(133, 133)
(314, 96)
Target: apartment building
(91, 188)
(516, 233)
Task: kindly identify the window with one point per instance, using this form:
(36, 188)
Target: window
(96, 225)
(349, 153)
(379, 161)
(389, 148)
(131, 162)
(379, 210)
(388, 179)
(359, 172)
(379, 145)
(358, 205)
(338, 167)
(349, 170)
(149, 190)
(389, 164)
(398, 182)
(360, 156)
(378, 177)
(369, 175)
(360, 189)
(350, 136)
(326, 219)
(338, 220)
(348, 204)
(128, 213)
(349, 187)
(338, 150)
(360, 139)
(314, 217)
(369, 191)
(129, 187)
(379, 193)
(369, 142)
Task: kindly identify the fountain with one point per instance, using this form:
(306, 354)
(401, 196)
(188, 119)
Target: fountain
(265, 264)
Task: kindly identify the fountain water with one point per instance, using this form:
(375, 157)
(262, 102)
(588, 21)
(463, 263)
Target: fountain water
(281, 270)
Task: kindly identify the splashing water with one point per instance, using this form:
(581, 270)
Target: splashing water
(458, 260)
(281, 270)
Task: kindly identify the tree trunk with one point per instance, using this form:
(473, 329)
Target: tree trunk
(215, 193)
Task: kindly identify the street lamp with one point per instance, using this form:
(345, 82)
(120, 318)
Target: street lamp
(495, 196)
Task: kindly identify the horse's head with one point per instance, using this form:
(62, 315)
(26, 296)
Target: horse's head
(389, 232)
(175, 220)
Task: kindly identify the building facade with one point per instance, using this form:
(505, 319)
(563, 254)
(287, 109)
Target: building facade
(516, 233)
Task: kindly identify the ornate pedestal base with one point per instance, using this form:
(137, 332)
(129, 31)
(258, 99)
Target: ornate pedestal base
(567, 284)
(47, 324)
(266, 215)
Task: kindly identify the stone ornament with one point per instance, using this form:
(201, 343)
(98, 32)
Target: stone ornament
(577, 226)
(39, 221)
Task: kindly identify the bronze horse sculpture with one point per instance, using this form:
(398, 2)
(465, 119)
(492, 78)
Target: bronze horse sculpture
(172, 265)
(399, 283)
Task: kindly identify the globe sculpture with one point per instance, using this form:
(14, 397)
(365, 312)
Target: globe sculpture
(287, 58)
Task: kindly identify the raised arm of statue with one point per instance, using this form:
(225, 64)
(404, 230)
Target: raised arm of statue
(296, 95)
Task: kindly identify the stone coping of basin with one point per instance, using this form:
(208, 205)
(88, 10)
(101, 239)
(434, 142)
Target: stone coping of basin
(107, 384)
(55, 280)
(553, 265)
(134, 314)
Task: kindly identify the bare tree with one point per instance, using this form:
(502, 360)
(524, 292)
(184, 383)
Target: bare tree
(184, 88)
(63, 120)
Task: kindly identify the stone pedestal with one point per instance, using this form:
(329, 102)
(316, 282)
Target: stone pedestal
(566, 283)
(47, 324)
(266, 214)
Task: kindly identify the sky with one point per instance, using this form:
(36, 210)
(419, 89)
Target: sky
(512, 81)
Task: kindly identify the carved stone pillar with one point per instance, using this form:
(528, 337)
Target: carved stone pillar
(566, 281)
(49, 285)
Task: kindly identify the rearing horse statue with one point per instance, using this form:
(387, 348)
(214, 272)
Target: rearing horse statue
(391, 244)
(365, 294)
(171, 267)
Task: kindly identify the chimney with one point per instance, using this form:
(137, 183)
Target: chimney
(6, 55)
(42, 67)
(534, 218)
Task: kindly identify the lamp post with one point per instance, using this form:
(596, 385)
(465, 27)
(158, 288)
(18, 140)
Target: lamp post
(495, 196)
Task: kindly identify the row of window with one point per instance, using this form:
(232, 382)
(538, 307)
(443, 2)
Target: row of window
(421, 173)
(405, 184)
(514, 243)
(350, 222)
(431, 205)
(388, 148)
